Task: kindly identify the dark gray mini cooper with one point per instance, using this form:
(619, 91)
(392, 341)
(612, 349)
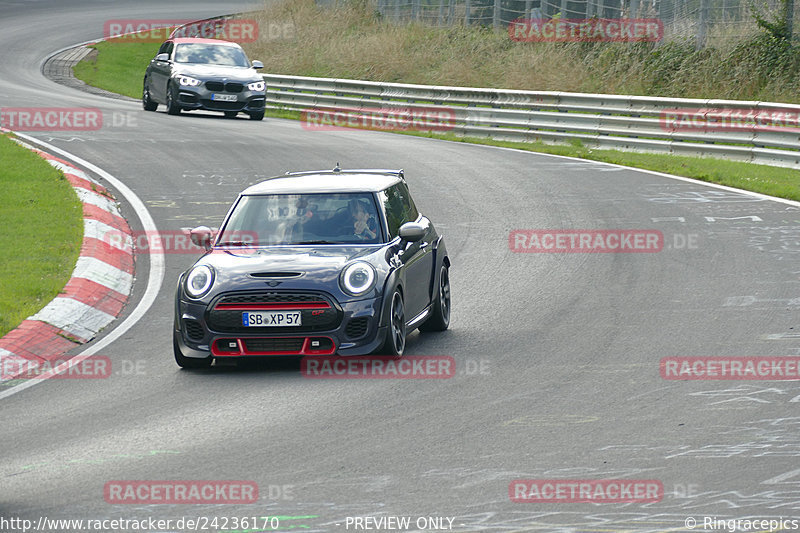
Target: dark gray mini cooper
(314, 263)
(193, 73)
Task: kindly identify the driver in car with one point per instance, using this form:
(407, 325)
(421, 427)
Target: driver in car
(364, 226)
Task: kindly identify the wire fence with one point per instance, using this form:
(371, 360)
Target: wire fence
(704, 21)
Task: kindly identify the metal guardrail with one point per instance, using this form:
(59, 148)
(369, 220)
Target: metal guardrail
(600, 121)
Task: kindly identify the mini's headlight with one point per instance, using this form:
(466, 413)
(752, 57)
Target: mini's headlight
(357, 278)
(186, 80)
(257, 86)
(199, 281)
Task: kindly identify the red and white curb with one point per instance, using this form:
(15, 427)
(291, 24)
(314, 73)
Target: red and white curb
(97, 291)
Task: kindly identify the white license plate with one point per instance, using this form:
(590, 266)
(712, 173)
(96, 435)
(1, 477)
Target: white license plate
(260, 319)
(223, 97)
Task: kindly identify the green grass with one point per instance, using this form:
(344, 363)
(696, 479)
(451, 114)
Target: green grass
(42, 230)
(118, 66)
(113, 71)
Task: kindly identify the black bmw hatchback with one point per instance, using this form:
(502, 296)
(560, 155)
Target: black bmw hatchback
(191, 73)
(314, 263)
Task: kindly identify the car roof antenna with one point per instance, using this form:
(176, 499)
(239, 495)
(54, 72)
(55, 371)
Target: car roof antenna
(336, 168)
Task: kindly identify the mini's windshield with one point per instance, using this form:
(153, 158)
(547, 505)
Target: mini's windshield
(211, 54)
(298, 219)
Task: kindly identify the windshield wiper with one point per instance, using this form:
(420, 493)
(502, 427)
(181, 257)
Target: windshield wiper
(317, 242)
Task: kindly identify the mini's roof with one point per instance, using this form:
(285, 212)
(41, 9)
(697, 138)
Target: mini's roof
(327, 181)
(201, 40)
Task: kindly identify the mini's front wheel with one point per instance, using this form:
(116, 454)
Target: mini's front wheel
(395, 342)
(440, 311)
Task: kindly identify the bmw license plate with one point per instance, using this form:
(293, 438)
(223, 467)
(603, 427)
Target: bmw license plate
(223, 97)
(270, 318)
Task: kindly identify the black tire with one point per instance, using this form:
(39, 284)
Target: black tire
(440, 317)
(395, 342)
(147, 103)
(231, 114)
(258, 115)
(172, 106)
(188, 362)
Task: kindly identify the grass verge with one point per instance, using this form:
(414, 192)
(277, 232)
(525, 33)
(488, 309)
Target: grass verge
(42, 230)
(118, 66)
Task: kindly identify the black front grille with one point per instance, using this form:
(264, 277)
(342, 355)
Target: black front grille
(271, 297)
(317, 312)
(193, 329)
(357, 327)
(274, 345)
(219, 86)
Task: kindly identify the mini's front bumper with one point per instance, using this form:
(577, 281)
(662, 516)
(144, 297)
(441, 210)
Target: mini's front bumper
(357, 333)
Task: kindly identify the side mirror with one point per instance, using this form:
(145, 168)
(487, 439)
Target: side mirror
(201, 236)
(162, 57)
(411, 232)
(258, 64)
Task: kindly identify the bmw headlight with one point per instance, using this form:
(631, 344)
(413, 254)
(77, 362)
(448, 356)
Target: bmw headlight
(257, 86)
(357, 278)
(187, 81)
(199, 281)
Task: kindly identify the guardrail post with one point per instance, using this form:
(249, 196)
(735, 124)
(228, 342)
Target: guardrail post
(496, 14)
(466, 13)
(702, 25)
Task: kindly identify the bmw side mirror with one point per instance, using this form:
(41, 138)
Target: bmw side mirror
(201, 236)
(258, 64)
(162, 57)
(411, 232)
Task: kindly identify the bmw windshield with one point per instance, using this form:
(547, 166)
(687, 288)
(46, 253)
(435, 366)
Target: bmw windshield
(211, 54)
(297, 219)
